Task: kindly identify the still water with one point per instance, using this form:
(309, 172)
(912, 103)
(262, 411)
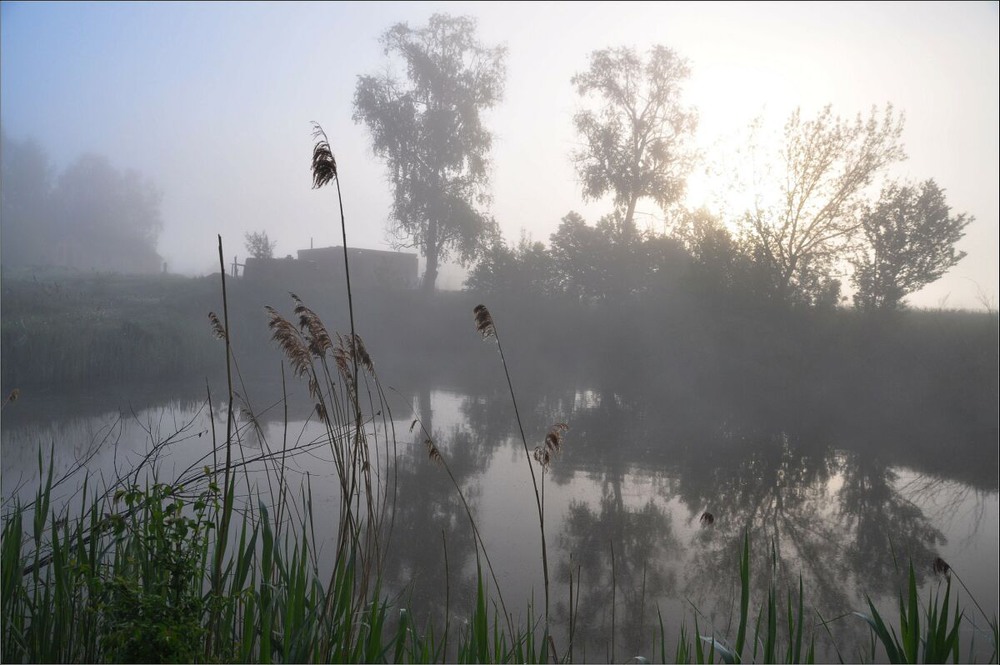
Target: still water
(844, 508)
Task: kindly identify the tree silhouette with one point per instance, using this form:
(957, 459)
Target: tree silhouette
(634, 142)
(259, 246)
(823, 167)
(429, 132)
(910, 243)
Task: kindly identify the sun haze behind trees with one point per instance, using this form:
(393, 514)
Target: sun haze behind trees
(428, 130)
(805, 226)
(810, 221)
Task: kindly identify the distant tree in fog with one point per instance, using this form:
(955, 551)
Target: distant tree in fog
(635, 140)
(613, 260)
(720, 265)
(823, 168)
(523, 268)
(25, 202)
(106, 219)
(92, 217)
(428, 130)
(911, 238)
(259, 246)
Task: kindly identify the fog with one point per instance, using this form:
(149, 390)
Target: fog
(742, 258)
(213, 105)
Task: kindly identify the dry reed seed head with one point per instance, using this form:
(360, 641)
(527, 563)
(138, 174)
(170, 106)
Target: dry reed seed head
(554, 439)
(484, 322)
(941, 567)
(314, 387)
(341, 356)
(361, 354)
(543, 456)
(290, 341)
(217, 328)
(432, 452)
(324, 165)
(321, 411)
(318, 337)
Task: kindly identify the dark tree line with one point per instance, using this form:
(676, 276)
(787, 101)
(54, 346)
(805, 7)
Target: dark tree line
(91, 216)
(908, 242)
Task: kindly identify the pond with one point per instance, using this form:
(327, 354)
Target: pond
(646, 504)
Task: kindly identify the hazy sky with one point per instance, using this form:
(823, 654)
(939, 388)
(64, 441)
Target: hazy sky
(214, 102)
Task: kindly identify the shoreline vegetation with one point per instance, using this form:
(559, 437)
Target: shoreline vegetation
(133, 335)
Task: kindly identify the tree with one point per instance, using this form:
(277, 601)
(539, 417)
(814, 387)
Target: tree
(514, 270)
(91, 217)
(613, 261)
(911, 238)
(259, 246)
(107, 219)
(824, 167)
(634, 143)
(429, 132)
(25, 202)
(719, 266)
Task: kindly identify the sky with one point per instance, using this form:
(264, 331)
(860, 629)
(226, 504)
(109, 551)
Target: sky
(213, 102)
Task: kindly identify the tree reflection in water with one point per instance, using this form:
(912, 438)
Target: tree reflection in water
(621, 557)
(622, 552)
(430, 517)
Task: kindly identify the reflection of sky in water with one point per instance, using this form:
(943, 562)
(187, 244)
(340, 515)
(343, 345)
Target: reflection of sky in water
(587, 506)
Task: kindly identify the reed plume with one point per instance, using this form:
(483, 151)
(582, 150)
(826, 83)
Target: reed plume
(324, 165)
(319, 341)
(432, 452)
(544, 454)
(484, 322)
(290, 341)
(218, 330)
(324, 171)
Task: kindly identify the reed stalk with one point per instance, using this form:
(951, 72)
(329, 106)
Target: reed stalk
(487, 328)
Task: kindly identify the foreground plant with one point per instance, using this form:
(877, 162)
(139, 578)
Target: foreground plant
(487, 328)
(933, 639)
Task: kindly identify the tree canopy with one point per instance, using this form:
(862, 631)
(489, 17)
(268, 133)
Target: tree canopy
(825, 164)
(635, 139)
(258, 245)
(428, 130)
(911, 238)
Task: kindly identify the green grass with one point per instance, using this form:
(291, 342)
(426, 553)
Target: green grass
(127, 580)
